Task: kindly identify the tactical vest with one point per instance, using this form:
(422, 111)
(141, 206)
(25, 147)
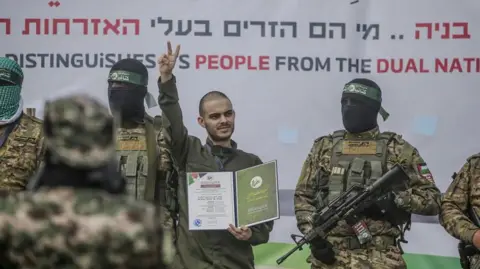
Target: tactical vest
(18, 156)
(141, 160)
(133, 158)
(356, 161)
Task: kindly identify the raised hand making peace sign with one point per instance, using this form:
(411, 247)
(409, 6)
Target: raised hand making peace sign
(166, 62)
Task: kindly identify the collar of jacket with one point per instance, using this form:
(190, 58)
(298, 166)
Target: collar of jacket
(219, 150)
(371, 134)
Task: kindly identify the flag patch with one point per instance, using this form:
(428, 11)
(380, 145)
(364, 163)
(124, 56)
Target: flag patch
(425, 172)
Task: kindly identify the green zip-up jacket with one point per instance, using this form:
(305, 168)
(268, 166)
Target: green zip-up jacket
(205, 249)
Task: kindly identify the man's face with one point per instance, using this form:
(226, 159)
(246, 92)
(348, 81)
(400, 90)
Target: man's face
(218, 119)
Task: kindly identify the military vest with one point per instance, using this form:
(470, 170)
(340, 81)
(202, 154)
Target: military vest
(132, 156)
(141, 159)
(356, 161)
(19, 156)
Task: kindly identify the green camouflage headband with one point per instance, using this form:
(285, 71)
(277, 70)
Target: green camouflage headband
(127, 77)
(369, 92)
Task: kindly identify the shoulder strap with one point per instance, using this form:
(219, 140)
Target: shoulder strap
(387, 135)
(407, 150)
(338, 135)
(34, 130)
(152, 154)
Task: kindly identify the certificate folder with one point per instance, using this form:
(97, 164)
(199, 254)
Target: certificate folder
(243, 198)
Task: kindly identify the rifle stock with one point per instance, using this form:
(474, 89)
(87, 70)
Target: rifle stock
(350, 203)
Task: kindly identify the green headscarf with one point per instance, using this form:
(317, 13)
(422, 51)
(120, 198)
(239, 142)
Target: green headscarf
(11, 79)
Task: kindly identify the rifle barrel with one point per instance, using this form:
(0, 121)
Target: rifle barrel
(297, 247)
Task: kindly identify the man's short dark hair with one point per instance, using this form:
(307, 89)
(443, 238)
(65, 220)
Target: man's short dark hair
(209, 96)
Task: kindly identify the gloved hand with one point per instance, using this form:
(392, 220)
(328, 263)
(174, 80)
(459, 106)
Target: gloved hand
(383, 205)
(322, 250)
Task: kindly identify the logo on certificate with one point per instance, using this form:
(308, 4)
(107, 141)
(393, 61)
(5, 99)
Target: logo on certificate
(197, 223)
(256, 182)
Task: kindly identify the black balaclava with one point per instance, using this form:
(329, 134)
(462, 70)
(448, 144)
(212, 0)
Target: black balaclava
(361, 103)
(127, 99)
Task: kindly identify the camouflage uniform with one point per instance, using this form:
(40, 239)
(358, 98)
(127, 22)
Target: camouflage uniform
(64, 227)
(22, 153)
(142, 151)
(339, 160)
(21, 146)
(81, 229)
(463, 193)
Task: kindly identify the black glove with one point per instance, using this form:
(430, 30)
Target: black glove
(322, 250)
(381, 207)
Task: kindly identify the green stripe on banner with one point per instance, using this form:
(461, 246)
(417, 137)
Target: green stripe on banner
(267, 254)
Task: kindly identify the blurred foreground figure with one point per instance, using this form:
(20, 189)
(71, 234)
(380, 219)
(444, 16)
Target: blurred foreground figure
(76, 217)
(21, 147)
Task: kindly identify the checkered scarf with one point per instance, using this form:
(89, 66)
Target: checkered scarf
(10, 98)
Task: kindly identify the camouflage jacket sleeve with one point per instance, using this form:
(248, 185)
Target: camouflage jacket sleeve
(168, 101)
(422, 196)
(305, 197)
(260, 232)
(455, 202)
(40, 151)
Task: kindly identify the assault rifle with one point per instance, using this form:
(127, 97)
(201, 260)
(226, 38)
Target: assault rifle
(348, 206)
(465, 250)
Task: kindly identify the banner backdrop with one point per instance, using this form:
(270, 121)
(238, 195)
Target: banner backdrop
(283, 63)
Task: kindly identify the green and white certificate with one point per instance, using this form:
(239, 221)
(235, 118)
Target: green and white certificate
(243, 198)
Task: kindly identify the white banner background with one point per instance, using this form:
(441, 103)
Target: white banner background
(280, 112)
